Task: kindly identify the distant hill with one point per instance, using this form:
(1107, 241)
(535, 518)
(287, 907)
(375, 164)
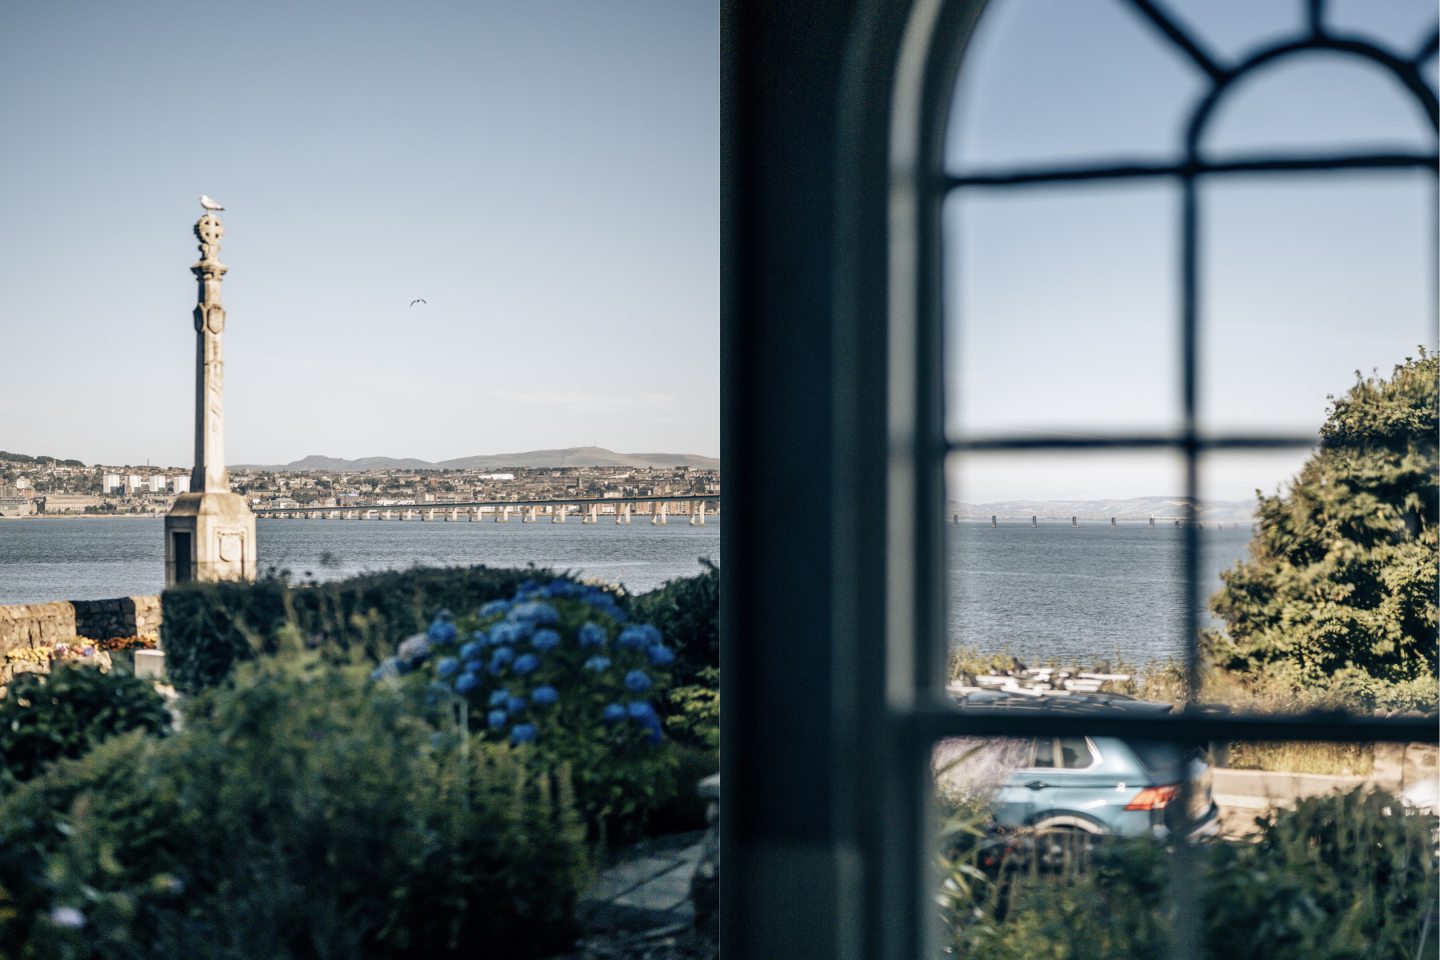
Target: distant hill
(533, 459)
(1133, 508)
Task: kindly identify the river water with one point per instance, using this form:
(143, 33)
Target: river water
(91, 558)
(1073, 593)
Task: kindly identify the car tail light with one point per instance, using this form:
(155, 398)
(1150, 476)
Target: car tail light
(1153, 798)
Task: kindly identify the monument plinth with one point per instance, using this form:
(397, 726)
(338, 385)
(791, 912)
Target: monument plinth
(209, 532)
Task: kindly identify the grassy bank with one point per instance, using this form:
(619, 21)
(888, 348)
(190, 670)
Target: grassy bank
(1163, 681)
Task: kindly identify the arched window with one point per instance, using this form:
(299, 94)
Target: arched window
(931, 435)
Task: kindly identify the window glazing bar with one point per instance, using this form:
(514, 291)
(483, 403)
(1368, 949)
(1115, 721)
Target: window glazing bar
(931, 725)
(1133, 442)
(1140, 170)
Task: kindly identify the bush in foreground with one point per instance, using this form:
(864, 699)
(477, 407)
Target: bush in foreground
(559, 672)
(303, 813)
(48, 716)
(210, 627)
(1337, 878)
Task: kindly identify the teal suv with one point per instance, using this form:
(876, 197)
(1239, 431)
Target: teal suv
(1098, 785)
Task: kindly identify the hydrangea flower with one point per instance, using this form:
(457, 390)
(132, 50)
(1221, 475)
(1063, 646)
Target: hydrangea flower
(614, 713)
(412, 648)
(522, 733)
(633, 638)
(562, 588)
(525, 663)
(480, 637)
(496, 719)
(660, 656)
(501, 656)
(598, 664)
(470, 650)
(466, 683)
(512, 632)
(516, 704)
(545, 696)
(68, 917)
(494, 608)
(637, 681)
(442, 631)
(592, 635)
(545, 640)
(538, 613)
(640, 710)
(500, 697)
(447, 667)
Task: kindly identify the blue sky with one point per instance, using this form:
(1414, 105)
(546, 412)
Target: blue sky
(544, 173)
(1063, 301)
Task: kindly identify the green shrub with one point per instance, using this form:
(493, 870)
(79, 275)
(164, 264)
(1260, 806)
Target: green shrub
(693, 713)
(302, 814)
(1340, 877)
(557, 671)
(45, 717)
(687, 611)
(210, 627)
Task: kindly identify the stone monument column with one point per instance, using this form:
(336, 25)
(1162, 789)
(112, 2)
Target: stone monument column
(209, 532)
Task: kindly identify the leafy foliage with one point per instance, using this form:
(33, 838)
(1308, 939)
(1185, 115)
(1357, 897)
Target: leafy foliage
(694, 711)
(301, 813)
(210, 627)
(687, 611)
(557, 671)
(45, 717)
(1340, 587)
(1337, 878)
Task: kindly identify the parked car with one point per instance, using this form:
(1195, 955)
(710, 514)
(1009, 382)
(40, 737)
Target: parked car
(1087, 784)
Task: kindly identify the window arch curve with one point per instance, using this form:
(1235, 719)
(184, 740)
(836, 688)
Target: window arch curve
(935, 41)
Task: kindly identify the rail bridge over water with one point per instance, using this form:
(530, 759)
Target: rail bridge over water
(692, 508)
(1074, 520)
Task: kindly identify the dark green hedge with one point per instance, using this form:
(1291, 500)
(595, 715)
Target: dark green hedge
(209, 627)
(44, 717)
(300, 814)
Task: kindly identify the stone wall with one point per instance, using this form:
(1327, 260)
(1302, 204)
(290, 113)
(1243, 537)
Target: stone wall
(45, 624)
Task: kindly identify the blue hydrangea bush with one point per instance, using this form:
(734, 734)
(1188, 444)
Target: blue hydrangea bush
(560, 673)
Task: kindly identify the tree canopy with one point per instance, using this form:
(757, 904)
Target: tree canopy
(1339, 590)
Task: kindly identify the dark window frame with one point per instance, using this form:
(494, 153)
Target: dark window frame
(936, 35)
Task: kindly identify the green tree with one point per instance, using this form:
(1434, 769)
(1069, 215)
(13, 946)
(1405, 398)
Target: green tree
(1339, 591)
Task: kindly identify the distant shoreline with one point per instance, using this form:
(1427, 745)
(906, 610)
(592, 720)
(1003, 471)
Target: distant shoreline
(88, 516)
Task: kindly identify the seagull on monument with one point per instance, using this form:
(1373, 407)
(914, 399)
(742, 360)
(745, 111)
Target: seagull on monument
(209, 204)
(417, 300)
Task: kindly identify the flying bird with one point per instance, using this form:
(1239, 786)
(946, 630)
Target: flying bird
(415, 301)
(209, 204)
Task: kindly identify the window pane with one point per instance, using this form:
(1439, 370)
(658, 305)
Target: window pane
(1304, 284)
(1046, 82)
(1067, 561)
(1061, 310)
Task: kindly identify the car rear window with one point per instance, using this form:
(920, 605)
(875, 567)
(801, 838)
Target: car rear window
(1161, 757)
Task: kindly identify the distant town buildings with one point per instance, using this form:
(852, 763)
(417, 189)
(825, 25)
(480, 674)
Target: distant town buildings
(70, 488)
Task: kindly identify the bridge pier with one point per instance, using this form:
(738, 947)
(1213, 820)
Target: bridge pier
(593, 516)
(697, 519)
(1034, 520)
(622, 513)
(557, 515)
(502, 515)
(1074, 522)
(530, 514)
(659, 515)
(1152, 521)
(992, 521)
(1112, 521)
